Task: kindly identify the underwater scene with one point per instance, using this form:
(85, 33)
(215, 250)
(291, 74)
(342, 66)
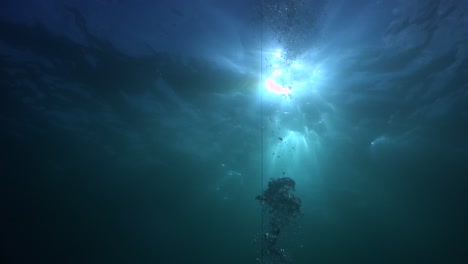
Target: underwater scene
(222, 131)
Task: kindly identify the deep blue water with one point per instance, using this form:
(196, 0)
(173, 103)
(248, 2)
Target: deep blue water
(142, 131)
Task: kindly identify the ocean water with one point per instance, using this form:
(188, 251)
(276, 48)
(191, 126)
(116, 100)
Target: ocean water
(143, 131)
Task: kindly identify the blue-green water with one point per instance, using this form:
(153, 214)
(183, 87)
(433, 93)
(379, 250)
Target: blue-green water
(143, 131)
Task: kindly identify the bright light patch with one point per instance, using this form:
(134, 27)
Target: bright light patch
(276, 73)
(278, 53)
(296, 65)
(273, 87)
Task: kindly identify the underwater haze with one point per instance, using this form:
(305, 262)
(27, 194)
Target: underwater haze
(143, 131)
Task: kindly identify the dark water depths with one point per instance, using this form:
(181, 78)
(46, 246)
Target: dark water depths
(142, 131)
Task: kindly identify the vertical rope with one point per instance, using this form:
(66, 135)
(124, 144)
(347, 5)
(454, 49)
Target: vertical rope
(261, 130)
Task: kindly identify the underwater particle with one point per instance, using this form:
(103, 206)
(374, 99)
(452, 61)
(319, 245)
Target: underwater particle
(280, 138)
